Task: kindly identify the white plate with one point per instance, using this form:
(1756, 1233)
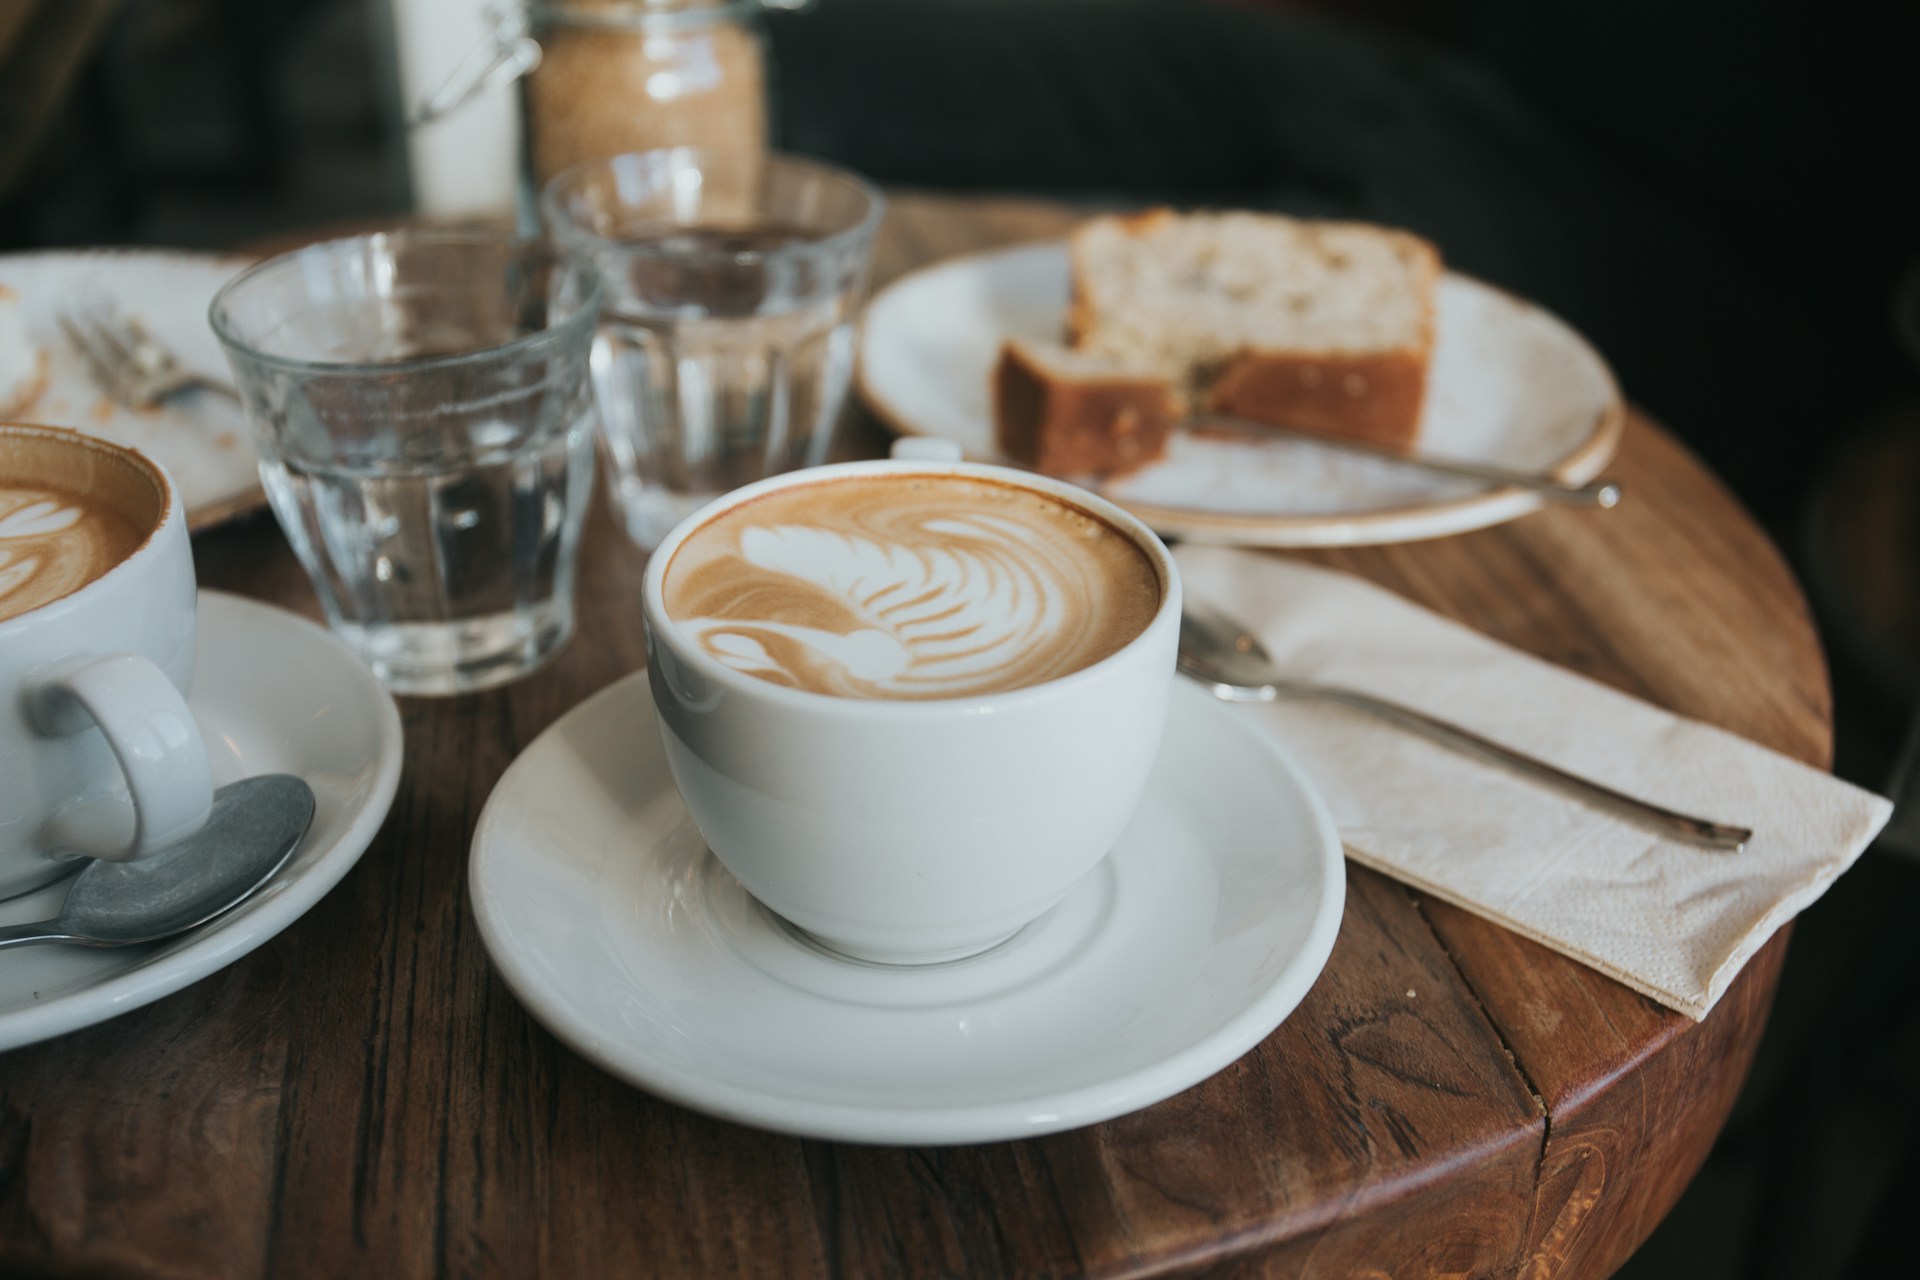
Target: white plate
(201, 438)
(1510, 385)
(334, 726)
(617, 929)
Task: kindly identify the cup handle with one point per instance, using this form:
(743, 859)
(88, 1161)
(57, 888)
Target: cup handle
(153, 736)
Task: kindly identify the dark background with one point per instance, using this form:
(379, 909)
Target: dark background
(1724, 197)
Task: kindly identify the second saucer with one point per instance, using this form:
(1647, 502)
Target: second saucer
(1185, 947)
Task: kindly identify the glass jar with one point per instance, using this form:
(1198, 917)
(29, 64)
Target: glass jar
(603, 77)
(637, 75)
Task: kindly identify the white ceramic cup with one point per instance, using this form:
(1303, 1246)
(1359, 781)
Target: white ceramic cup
(911, 832)
(99, 754)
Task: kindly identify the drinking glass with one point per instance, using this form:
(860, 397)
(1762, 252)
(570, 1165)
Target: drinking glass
(726, 345)
(424, 420)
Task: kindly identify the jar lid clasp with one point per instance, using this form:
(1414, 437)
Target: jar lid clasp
(500, 58)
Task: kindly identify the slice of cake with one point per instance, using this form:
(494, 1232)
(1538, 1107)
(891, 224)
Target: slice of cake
(1067, 413)
(1325, 326)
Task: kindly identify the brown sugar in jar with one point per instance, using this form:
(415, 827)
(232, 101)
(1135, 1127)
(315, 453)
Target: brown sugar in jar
(637, 75)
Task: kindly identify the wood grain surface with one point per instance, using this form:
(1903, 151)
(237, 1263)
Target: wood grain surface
(362, 1096)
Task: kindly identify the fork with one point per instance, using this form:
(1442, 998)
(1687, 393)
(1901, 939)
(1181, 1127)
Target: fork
(130, 364)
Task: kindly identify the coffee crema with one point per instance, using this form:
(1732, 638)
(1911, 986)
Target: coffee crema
(69, 512)
(910, 587)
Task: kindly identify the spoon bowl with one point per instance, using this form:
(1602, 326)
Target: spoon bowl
(253, 829)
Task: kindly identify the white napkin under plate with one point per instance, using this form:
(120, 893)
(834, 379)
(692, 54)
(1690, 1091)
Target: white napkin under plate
(1672, 920)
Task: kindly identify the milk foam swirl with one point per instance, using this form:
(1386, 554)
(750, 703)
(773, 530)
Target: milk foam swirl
(933, 587)
(51, 545)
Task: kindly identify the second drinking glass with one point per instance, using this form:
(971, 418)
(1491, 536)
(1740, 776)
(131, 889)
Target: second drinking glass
(726, 344)
(425, 428)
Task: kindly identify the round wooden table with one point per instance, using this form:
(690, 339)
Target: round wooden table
(362, 1096)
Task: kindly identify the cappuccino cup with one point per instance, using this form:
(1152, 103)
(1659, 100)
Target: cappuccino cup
(99, 754)
(909, 704)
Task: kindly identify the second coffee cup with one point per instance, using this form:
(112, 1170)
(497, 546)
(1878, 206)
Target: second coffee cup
(99, 752)
(910, 704)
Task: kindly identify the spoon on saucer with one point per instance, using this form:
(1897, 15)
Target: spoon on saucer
(251, 832)
(1230, 660)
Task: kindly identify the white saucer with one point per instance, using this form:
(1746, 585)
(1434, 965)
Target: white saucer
(333, 725)
(1510, 385)
(617, 929)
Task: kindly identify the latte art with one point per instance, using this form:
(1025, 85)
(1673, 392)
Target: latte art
(910, 587)
(52, 544)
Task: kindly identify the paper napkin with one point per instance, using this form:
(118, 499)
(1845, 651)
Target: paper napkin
(1670, 919)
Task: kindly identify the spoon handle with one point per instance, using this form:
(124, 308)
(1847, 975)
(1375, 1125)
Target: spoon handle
(1600, 493)
(1698, 830)
(21, 935)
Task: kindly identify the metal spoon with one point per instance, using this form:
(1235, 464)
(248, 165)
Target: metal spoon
(1600, 493)
(1230, 660)
(253, 829)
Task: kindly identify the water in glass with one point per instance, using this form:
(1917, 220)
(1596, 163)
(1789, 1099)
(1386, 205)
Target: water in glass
(444, 568)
